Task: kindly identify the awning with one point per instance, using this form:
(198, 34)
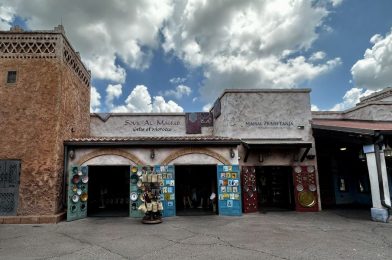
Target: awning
(353, 126)
(259, 144)
(154, 141)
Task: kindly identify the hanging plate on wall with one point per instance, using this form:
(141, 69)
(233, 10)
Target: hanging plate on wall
(297, 169)
(79, 192)
(134, 169)
(84, 197)
(76, 179)
(85, 179)
(300, 187)
(134, 178)
(75, 198)
(306, 199)
(310, 169)
(312, 187)
(133, 196)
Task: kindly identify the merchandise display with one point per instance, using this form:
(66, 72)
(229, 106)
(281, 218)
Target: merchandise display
(77, 192)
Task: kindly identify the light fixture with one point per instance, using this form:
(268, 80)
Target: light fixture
(152, 154)
(71, 153)
(343, 148)
(232, 154)
(301, 127)
(388, 151)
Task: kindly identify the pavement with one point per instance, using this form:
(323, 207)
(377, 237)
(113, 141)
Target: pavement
(273, 235)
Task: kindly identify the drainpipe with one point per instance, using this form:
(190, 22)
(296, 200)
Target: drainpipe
(377, 144)
(65, 176)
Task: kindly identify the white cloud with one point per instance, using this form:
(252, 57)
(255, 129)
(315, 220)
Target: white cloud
(6, 17)
(244, 44)
(102, 31)
(159, 105)
(351, 98)
(320, 55)
(95, 100)
(112, 92)
(336, 2)
(194, 99)
(177, 80)
(315, 108)
(178, 92)
(207, 107)
(374, 71)
(139, 101)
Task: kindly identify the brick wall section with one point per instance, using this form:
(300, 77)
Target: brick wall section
(48, 104)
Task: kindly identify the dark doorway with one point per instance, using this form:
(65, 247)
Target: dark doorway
(343, 176)
(194, 186)
(108, 191)
(275, 188)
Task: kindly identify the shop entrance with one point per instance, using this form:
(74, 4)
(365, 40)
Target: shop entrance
(275, 188)
(108, 191)
(194, 186)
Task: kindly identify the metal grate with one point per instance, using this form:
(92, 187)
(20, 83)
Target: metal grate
(9, 186)
(7, 204)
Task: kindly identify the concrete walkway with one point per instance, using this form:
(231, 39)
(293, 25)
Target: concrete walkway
(274, 235)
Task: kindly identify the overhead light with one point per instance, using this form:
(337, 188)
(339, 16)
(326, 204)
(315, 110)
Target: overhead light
(343, 148)
(388, 151)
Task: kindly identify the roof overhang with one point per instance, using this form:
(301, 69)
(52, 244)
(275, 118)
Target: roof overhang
(153, 141)
(262, 144)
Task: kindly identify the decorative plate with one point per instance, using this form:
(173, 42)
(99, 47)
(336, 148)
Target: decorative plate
(75, 198)
(310, 168)
(312, 187)
(299, 187)
(84, 197)
(306, 199)
(85, 179)
(297, 169)
(133, 196)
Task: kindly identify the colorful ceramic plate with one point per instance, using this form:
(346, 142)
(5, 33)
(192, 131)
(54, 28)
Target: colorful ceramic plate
(85, 179)
(75, 198)
(84, 197)
(133, 196)
(312, 187)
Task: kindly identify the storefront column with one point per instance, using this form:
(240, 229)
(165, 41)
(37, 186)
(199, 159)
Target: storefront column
(378, 212)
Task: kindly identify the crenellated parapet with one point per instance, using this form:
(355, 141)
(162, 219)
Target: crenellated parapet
(52, 44)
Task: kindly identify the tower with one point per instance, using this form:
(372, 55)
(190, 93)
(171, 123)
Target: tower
(44, 99)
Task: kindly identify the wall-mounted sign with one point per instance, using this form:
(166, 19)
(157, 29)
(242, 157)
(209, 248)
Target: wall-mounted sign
(270, 123)
(158, 125)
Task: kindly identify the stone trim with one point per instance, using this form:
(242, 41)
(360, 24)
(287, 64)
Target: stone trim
(194, 150)
(109, 151)
(36, 219)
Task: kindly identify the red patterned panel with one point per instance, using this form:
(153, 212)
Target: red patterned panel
(249, 189)
(305, 188)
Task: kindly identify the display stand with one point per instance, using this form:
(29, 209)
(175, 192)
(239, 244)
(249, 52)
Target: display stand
(152, 206)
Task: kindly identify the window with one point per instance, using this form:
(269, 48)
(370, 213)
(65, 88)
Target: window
(342, 184)
(11, 77)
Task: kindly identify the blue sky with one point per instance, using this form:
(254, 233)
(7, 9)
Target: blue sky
(173, 56)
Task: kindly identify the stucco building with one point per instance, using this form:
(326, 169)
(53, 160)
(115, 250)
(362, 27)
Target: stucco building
(255, 150)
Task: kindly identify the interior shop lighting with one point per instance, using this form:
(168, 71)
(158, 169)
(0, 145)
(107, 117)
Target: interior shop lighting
(388, 151)
(343, 148)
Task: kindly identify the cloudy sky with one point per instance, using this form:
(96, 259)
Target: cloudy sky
(179, 55)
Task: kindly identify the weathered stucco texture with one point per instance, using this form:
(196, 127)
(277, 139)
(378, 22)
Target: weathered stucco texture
(34, 120)
(252, 115)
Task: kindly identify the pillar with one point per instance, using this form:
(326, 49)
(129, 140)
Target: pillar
(378, 211)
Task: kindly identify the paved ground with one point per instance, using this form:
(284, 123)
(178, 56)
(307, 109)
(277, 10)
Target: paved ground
(274, 235)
